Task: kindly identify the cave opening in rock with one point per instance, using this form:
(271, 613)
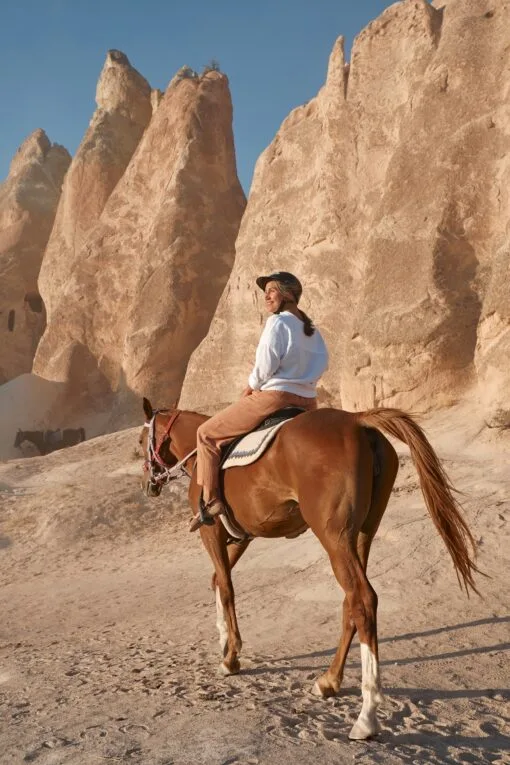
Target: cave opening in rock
(35, 302)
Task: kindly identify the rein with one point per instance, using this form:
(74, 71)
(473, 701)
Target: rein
(165, 473)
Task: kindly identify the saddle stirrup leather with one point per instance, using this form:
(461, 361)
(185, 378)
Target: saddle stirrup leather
(205, 518)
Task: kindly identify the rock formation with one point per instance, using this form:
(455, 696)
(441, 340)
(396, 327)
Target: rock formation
(123, 112)
(147, 279)
(28, 203)
(386, 195)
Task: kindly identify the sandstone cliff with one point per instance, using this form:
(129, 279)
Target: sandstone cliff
(386, 195)
(148, 277)
(28, 202)
(123, 112)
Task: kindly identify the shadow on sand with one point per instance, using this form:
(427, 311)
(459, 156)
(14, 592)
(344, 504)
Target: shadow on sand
(425, 633)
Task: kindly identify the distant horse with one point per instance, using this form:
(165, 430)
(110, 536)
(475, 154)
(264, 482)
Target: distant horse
(333, 472)
(50, 440)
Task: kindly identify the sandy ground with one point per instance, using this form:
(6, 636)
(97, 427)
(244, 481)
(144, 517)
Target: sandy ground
(108, 645)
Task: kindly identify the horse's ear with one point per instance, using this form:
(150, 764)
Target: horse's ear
(147, 408)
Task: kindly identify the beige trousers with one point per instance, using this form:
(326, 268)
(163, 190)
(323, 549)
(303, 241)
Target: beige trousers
(235, 420)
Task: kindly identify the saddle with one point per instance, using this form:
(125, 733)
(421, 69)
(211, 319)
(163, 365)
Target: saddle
(249, 447)
(243, 451)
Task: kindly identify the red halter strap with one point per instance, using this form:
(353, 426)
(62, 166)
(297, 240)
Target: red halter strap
(169, 426)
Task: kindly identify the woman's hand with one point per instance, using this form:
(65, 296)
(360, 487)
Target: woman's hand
(247, 392)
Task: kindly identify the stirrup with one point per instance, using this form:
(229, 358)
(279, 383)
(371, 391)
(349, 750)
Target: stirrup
(214, 507)
(206, 513)
(197, 521)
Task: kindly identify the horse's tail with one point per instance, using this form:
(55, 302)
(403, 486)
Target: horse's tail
(436, 488)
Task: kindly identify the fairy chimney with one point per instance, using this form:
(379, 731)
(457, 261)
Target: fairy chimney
(123, 112)
(147, 279)
(386, 195)
(28, 203)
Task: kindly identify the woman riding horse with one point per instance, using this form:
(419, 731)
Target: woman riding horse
(290, 358)
(328, 470)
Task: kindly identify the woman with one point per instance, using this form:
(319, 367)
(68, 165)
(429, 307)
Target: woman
(290, 358)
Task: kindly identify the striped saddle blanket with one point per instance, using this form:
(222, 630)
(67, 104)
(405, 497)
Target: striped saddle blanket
(250, 447)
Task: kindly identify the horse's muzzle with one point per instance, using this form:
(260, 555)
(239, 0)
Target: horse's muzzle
(151, 489)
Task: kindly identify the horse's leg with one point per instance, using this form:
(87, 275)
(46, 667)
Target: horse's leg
(335, 526)
(329, 683)
(362, 604)
(214, 539)
(234, 550)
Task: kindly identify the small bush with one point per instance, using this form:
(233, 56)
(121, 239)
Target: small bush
(212, 66)
(186, 73)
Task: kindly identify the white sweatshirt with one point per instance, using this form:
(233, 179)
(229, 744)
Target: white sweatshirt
(287, 359)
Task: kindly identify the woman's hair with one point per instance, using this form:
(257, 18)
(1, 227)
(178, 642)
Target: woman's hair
(287, 292)
(308, 325)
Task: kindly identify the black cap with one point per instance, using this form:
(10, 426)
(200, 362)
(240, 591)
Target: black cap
(284, 278)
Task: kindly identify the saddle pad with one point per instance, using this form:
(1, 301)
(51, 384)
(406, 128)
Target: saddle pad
(252, 446)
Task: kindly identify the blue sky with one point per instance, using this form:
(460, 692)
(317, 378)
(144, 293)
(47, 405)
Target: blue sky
(274, 53)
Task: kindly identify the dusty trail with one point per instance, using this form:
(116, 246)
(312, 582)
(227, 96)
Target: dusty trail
(108, 641)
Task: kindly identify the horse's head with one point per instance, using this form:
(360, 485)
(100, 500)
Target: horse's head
(19, 439)
(156, 442)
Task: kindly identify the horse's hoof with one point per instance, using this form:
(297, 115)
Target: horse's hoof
(225, 670)
(325, 688)
(363, 729)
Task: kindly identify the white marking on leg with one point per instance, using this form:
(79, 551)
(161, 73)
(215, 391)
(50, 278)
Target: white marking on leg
(220, 621)
(224, 670)
(367, 724)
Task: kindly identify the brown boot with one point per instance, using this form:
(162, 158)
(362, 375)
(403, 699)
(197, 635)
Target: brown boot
(213, 508)
(195, 522)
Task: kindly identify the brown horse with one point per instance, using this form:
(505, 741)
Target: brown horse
(330, 471)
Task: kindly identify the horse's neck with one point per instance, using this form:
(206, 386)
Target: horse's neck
(185, 437)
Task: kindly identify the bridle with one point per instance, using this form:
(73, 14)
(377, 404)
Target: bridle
(160, 474)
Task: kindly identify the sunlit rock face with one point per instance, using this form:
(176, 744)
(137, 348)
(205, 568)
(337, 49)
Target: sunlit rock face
(148, 275)
(387, 195)
(28, 203)
(123, 112)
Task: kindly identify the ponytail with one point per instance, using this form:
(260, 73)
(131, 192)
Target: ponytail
(308, 325)
(286, 294)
